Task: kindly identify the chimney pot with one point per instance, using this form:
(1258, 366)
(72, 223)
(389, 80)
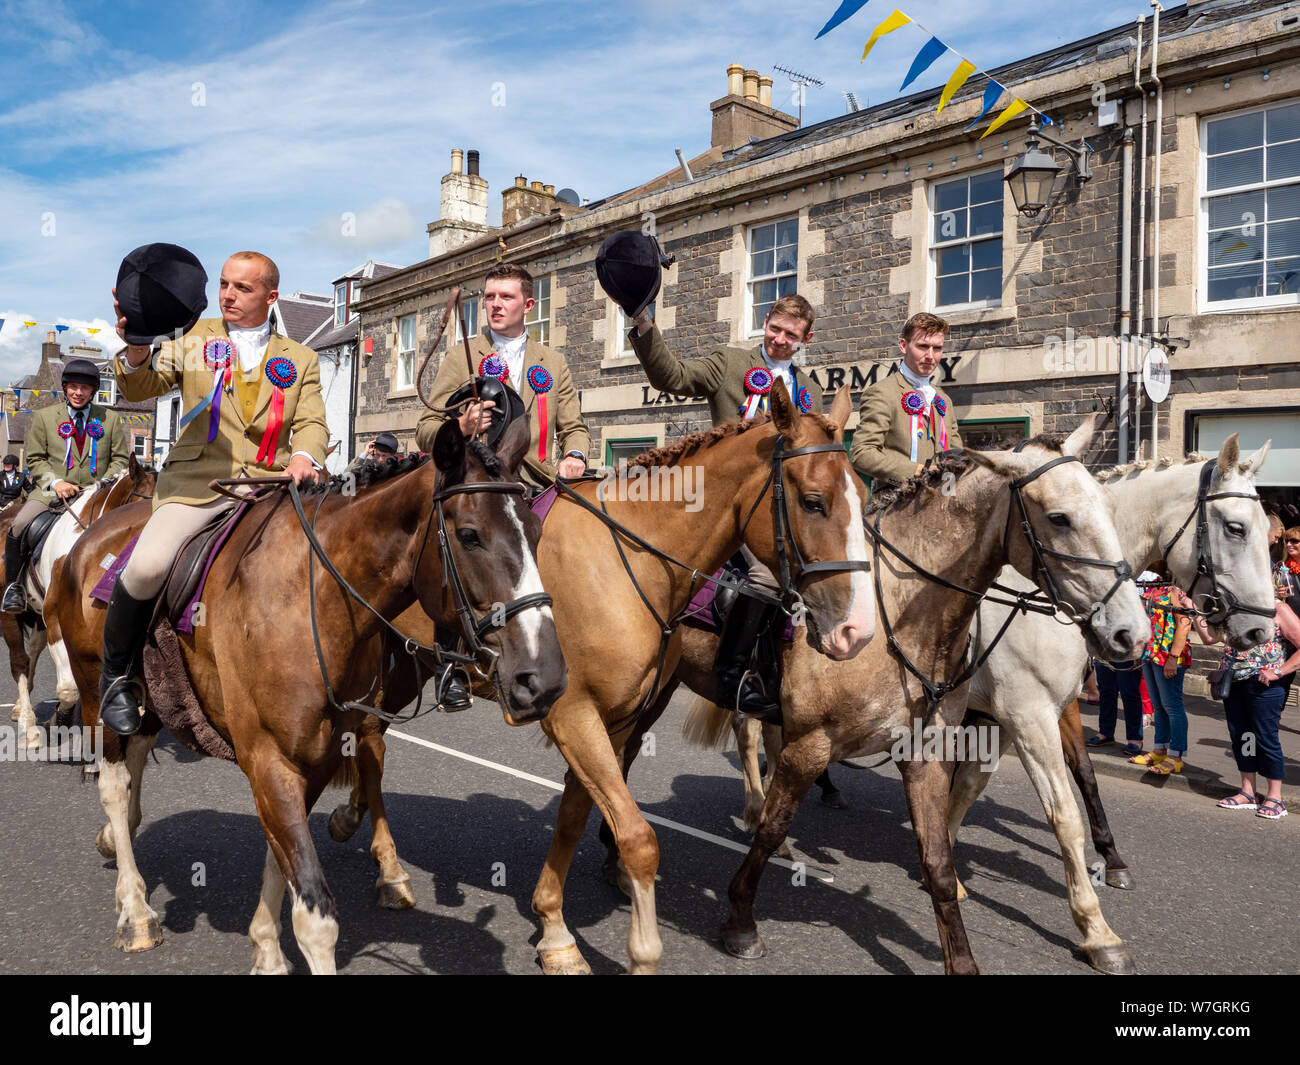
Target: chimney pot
(765, 91)
(536, 186)
(473, 162)
(735, 80)
(521, 182)
(455, 160)
(751, 85)
(549, 190)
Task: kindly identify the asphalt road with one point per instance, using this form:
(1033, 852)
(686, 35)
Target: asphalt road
(1213, 894)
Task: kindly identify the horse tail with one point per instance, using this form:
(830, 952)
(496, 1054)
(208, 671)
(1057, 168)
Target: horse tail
(707, 725)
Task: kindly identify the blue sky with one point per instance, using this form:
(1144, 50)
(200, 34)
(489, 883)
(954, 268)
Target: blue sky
(241, 124)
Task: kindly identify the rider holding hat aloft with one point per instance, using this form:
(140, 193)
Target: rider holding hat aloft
(253, 407)
(68, 448)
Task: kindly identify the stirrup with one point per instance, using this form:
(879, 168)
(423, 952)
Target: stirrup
(15, 598)
(452, 675)
(112, 718)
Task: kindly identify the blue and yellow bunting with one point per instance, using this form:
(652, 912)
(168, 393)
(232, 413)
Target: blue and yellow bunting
(930, 51)
(843, 13)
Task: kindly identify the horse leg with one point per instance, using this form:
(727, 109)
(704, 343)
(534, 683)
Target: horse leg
(830, 793)
(1039, 747)
(797, 766)
(347, 816)
(393, 884)
(65, 686)
(264, 930)
(595, 774)
(137, 754)
(1076, 757)
(137, 924)
(283, 798)
(33, 637)
(748, 732)
(927, 784)
(968, 783)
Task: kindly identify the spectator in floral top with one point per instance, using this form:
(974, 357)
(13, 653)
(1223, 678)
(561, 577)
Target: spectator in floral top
(1261, 678)
(1286, 574)
(1167, 659)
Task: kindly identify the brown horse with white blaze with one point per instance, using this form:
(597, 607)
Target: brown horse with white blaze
(261, 685)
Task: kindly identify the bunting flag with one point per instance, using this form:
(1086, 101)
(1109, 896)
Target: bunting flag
(843, 13)
(2, 323)
(1009, 112)
(964, 70)
(28, 323)
(930, 51)
(61, 328)
(92, 332)
(890, 24)
(991, 94)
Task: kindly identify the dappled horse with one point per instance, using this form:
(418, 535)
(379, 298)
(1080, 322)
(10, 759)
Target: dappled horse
(963, 534)
(411, 531)
(25, 634)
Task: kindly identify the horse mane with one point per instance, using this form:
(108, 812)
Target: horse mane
(663, 456)
(368, 473)
(1116, 473)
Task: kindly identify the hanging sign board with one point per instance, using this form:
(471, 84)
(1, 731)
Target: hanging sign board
(1155, 375)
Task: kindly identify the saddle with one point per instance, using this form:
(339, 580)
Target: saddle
(35, 534)
(185, 580)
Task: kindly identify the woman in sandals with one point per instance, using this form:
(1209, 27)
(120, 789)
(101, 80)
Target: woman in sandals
(1167, 659)
(1261, 678)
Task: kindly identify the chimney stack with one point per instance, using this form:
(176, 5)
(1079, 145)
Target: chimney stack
(525, 200)
(464, 206)
(746, 111)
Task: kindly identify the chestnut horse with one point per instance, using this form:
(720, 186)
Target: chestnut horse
(618, 601)
(25, 634)
(264, 690)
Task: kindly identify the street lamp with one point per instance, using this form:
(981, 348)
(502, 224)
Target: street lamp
(1033, 174)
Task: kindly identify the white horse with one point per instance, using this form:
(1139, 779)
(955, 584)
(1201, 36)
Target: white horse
(135, 482)
(1036, 670)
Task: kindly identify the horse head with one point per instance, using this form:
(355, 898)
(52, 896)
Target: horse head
(491, 538)
(816, 526)
(1060, 533)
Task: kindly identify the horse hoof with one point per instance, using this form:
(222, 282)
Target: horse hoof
(35, 741)
(743, 944)
(1115, 960)
(343, 823)
(397, 896)
(834, 800)
(563, 961)
(104, 842)
(14, 715)
(136, 936)
(282, 969)
(962, 896)
(1120, 878)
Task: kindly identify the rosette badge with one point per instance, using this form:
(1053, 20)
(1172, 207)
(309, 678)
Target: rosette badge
(493, 365)
(803, 399)
(282, 373)
(913, 403)
(540, 381)
(218, 356)
(758, 383)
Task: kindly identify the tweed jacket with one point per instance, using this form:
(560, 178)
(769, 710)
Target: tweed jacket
(882, 442)
(192, 461)
(718, 376)
(46, 450)
(565, 429)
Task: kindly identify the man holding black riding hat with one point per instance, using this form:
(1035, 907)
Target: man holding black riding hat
(69, 447)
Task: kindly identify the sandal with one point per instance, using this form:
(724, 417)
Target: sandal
(1243, 800)
(1100, 741)
(1154, 758)
(1166, 766)
(1132, 748)
(1273, 809)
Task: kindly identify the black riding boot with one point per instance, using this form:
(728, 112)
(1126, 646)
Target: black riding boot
(15, 599)
(451, 690)
(748, 620)
(121, 693)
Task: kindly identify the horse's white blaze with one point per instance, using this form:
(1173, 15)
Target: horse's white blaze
(861, 614)
(316, 933)
(530, 583)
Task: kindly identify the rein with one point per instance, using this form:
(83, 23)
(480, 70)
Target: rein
(1224, 601)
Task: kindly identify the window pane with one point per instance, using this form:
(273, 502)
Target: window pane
(1283, 278)
(1241, 168)
(986, 219)
(1231, 246)
(763, 238)
(406, 330)
(954, 260)
(1284, 202)
(785, 287)
(629, 449)
(787, 232)
(950, 195)
(762, 263)
(1283, 239)
(765, 292)
(1235, 283)
(986, 188)
(950, 225)
(1283, 161)
(787, 260)
(1239, 209)
(986, 284)
(1283, 123)
(1230, 134)
(954, 289)
(986, 255)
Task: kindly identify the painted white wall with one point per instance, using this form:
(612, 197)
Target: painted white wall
(336, 389)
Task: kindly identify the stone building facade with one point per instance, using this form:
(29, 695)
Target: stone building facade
(881, 213)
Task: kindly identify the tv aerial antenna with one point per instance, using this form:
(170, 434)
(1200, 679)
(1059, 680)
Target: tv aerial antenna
(803, 81)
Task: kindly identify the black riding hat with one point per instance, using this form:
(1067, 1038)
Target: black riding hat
(386, 442)
(508, 405)
(11, 460)
(160, 288)
(629, 267)
(82, 370)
